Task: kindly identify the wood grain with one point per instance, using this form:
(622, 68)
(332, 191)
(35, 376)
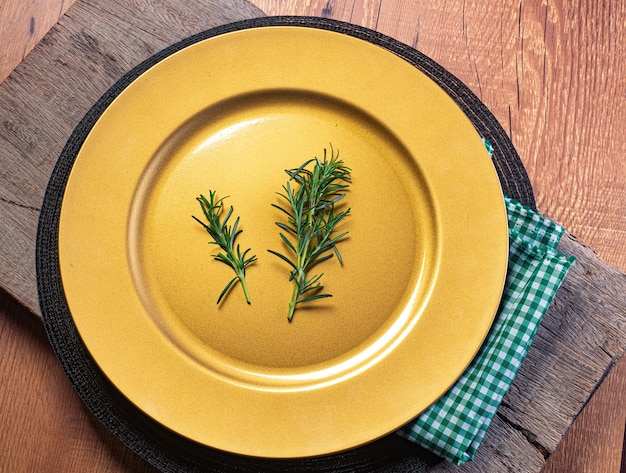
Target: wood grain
(552, 73)
(597, 444)
(23, 25)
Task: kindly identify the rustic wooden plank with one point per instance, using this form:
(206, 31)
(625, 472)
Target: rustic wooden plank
(18, 270)
(43, 100)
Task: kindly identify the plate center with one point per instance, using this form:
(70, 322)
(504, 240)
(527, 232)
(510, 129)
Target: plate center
(240, 149)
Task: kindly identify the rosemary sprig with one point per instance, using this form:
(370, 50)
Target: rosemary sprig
(224, 236)
(311, 222)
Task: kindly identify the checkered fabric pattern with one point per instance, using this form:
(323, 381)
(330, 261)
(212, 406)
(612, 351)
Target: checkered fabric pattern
(455, 425)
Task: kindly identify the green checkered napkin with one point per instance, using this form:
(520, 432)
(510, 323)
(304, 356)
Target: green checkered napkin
(455, 425)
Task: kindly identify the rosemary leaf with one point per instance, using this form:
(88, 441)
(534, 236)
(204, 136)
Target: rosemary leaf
(224, 236)
(311, 221)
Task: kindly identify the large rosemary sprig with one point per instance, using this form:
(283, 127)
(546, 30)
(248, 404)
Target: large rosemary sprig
(224, 236)
(311, 222)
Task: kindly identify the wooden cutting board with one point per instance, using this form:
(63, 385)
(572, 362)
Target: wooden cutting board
(581, 337)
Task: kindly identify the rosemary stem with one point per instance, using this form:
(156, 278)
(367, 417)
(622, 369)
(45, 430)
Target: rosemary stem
(294, 301)
(244, 286)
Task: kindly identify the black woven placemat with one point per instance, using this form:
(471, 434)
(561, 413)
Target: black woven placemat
(158, 445)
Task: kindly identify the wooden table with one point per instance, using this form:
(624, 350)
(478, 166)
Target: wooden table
(553, 76)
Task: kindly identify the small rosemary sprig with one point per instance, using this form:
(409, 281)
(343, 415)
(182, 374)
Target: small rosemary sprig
(311, 221)
(224, 236)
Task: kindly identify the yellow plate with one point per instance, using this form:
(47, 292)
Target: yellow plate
(424, 263)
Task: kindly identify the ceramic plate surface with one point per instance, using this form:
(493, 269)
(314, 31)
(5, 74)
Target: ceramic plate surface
(423, 265)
